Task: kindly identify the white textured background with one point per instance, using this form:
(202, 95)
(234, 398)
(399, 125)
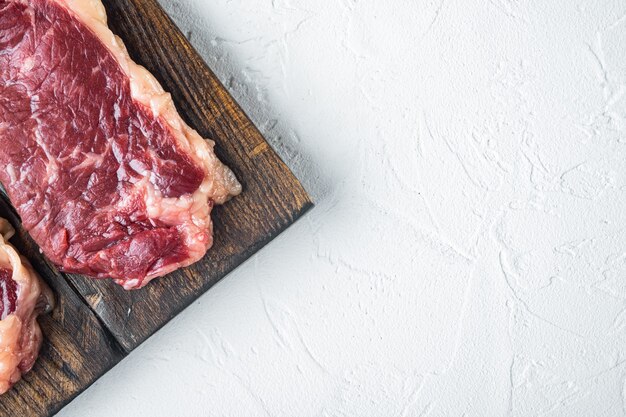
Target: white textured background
(467, 255)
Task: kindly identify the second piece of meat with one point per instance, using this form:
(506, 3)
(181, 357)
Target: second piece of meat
(23, 296)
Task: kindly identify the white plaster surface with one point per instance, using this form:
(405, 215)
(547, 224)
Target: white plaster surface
(467, 255)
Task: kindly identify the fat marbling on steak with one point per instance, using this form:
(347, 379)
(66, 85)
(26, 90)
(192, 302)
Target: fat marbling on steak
(106, 176)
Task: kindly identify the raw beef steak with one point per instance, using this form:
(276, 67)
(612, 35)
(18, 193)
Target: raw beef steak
(107, 177)
(23, 296)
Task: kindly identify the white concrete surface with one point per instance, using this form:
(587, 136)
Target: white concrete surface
(467, 255)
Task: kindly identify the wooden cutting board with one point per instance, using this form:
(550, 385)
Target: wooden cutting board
(97, 323)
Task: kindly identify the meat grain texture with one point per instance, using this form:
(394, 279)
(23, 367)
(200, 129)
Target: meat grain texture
(106, 176)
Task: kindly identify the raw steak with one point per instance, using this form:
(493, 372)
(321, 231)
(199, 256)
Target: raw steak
(107, 177)
(23, 296)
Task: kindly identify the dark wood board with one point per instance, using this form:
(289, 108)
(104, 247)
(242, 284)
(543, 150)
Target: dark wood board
(97, 322)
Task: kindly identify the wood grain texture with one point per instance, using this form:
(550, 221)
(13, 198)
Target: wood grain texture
(77, 349)
(96, 322)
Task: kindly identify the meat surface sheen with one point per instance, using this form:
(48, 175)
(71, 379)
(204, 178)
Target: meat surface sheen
(24, 297)
(108, 179)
